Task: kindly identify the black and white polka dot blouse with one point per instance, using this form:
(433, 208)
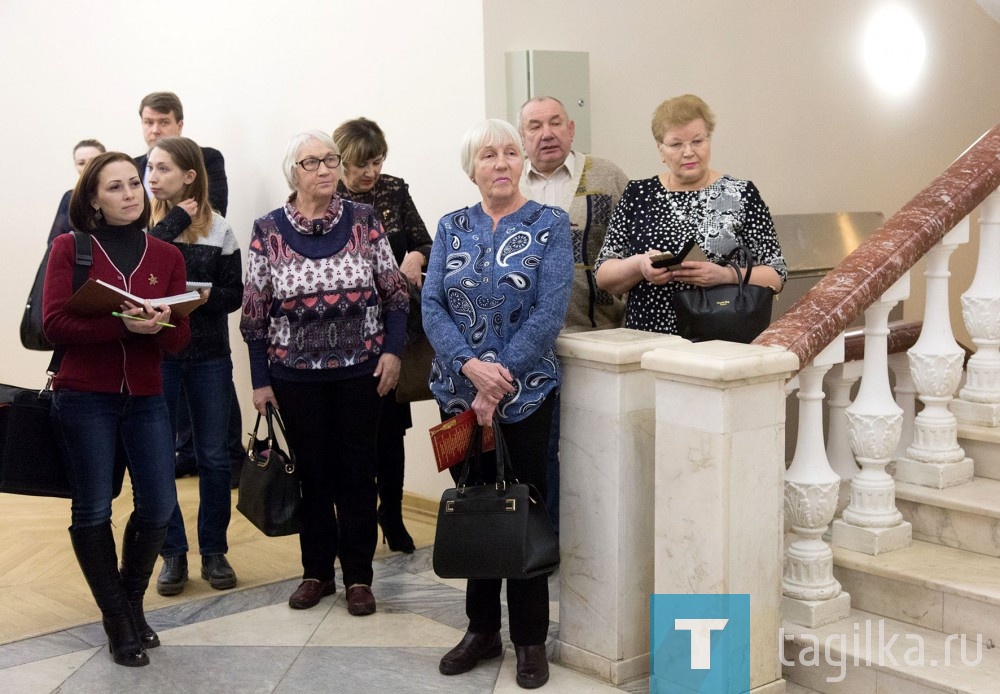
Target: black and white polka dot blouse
(727, 213)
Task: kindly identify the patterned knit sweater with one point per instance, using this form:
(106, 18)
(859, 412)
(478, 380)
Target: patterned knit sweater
(596, 188)
(321, 306)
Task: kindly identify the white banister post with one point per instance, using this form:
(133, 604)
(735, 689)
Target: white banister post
(720, 449)
(871, 523)
(812, 596)
(608, 502)
(906, 398)
(934, 458)
(839, 380)
(979, 401)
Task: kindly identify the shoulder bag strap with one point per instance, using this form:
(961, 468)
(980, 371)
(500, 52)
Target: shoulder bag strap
(505, 470)
(81, 269)
(473, 452)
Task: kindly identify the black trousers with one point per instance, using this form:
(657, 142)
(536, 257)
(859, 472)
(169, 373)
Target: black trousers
(393, 423)
(332, 431)
(527, 599)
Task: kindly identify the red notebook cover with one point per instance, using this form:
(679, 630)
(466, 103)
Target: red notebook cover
(450, 439)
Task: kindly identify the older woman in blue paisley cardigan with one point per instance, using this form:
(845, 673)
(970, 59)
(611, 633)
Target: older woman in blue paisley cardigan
(324, 318)
(496, 293)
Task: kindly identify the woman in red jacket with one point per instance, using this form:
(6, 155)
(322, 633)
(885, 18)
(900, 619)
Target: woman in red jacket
(108, 393)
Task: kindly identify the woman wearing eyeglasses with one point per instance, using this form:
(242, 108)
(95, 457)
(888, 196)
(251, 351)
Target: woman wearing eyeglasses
(324, 318)
(688, 200)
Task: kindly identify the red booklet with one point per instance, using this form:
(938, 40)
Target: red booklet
(450, 439)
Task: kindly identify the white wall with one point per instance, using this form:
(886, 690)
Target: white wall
(795, 110)
(250, 75)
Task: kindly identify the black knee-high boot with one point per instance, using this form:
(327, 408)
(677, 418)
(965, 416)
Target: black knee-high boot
(95, 551)
(389, 473)
(139, 551)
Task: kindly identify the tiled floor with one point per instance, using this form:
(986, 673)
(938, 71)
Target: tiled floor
(250, 641)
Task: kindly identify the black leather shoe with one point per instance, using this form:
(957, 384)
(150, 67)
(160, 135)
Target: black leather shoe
(217, 571)
(309, 592)
(532, 666)
(469, 651)
(173, 575)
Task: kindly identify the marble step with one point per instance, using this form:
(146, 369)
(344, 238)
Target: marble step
(928, 585)
(982, 444)
(866, 653)
(965, 517)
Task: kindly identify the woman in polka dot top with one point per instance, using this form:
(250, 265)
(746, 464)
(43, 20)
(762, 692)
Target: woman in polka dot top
(689, 200)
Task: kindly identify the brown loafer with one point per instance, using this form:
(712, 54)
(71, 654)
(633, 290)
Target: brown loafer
(532, 666)
(309, 592)
(469, 651)
(360, 601)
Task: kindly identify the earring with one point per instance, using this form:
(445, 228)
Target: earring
(97, 214)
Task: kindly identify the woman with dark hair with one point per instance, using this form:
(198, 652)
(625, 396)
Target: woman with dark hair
(83, 152)
(205, 367)
(108, 393)
(324, 319)
(363, 148)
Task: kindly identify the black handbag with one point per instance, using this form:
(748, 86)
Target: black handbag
(270, 494)
(30, 461)
(495, 530)
(415, 369)
(32, 336)
(732, 312)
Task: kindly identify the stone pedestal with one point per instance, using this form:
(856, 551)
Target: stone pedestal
(720, 442)
(606, 502)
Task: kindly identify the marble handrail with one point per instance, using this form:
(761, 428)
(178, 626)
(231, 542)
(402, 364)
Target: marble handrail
(902, 336)
(863, 276)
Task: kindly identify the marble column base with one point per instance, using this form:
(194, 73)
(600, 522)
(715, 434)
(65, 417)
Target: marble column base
(936, 475)
(614, 671)
(984, 414)
(815, 613)
(872, 541)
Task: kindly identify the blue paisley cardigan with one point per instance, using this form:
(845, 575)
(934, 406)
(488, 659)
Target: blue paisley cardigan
(500, 296)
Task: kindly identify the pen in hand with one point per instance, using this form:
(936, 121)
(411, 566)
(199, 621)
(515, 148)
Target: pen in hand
(118, 314)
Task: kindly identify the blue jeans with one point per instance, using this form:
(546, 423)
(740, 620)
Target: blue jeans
(87, 427)
(208, 384)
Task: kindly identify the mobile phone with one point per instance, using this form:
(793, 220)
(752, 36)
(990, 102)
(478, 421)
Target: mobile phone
(668, 259)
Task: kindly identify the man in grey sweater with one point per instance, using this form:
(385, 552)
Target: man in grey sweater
(588, 188)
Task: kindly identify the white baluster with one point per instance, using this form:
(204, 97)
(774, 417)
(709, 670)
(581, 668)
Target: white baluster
(812, 596)
(871, 523)
(839, 381)
(934, 458)
(906, 398)
(979, 400)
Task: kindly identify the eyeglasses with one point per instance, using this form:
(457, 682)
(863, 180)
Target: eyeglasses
(332, 161)
(696, 144)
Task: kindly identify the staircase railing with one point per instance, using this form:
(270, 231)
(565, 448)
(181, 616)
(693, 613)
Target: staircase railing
(922, 448)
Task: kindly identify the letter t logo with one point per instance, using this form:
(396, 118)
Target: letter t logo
(701, 639)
